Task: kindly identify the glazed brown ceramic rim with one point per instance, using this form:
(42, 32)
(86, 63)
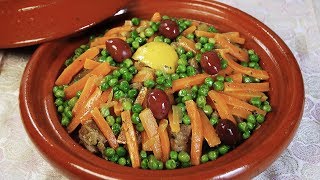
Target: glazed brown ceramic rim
(242, 162)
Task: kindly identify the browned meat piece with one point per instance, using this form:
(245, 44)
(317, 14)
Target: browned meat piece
(91, 137)
(179, 141)
(137, 85)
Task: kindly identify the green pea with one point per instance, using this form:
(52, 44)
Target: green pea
(160, 80)
(252, 64)
(208, 46)
(153, 164)
(65, 121)
(182, 75)
(121, 151)
(191, 71)
(130, 40)
(149, 83)
(198, 57)
(183, 62)
(218, 86)
(104, 86)
(212, 40)
(167, 40)
(112, 82)
(203, 91)
(190, 36)
(251, 52)
(256, 101)
(251, 118)
(109, 152)
(224, 64)
(186, 98)
(155, 27)
(181, 69)
(203, 50)
(116, 128)
(158, 73)
(118, 120)
(182, 92)
(186, 164)
(198, 46)
(60, 108)
(127, 63)
(244, 64)
(135, 21)
(59, 102)
(209, 81)
(246, 135)
(223, 149)
(207, 109)
(250, 125)
(122, 161)
(114, 158)
(212, 29)
(182, 106)
(165, 17)
(160, 87)
(135, 118)
(124, 86)
(174, 76)
(195, 89)
(140, 127)
(137, 108)
(242, 126)
(247, 79)
(228, 79)
(127, 105)
(260, 118)
(214, 120)
(118, 94)
(173, 155)
(183, 156)
(132, 93)
(213, 155)
(78, 51)
(59, 94)
(133, 70)
(149, 32)
(204, 158)
(78, 94)
(171, 164)
(220, 78)
(158, 39)
(254, 58)
(180, 50)
(105, 111)
(110, 120)
(116, 73)
(266, 108)
(144, 163)
(201, 101)
(186, 120)
(203, 40)
(135, 44)
(160, 165)
(127, 76)
(143, 154)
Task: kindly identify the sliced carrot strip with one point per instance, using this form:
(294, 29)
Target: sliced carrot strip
(226, 71)
(233, 37)
(236, 77)
(164, 139)
(90, 64)
(187, 44)
(117, 30)
(260, 74)
(260, 87)
(104, 128)
(174, 125)
(146, 141)
(189, 30)
(156, 17)
(70, 71)
(141, 96)
(144, 74)
(241, 104)
(240, 112)
(102, 70)
(86, 93)
(233, 50)
(101, 41)
(150, 125)
(118, 108)
(246, 95)
(188, 82)
(221, 106)
(209, 133)
(131, 139)
(197, 132)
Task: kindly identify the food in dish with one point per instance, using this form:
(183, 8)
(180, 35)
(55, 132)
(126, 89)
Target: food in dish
(164, 93)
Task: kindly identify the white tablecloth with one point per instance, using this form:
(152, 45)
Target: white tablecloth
(297, 22)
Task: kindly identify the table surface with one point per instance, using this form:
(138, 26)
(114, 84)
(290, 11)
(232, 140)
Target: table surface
(297, 22)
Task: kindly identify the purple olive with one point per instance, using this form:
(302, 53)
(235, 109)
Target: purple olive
(169, 29)
(159, 104)
(228, 132)
(118, 49)
(210, 62)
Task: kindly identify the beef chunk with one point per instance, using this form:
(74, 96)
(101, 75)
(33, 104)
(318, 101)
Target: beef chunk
(179, 141)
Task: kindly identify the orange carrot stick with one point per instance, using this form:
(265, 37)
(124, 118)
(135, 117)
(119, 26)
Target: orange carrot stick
(197, 132)
(150, 125)
(221, 106)
(118, 108)
(144, 74)
(174, 125)
(226, 71)
(156, 17)
(141, 96)
(86, 93)
(102, 70)
(101, 41)
(209, 133)
(117, 30)
(246, 95)
(237, 78)
(146, 142)
(241, 104)
(188, 82)
(189, 30)
(260, 74)
(260, 87)
(164, 139)
(240, 112)
(90, 64)
(104, 128)
(233, 37)
(187, 44)
(70, 71)
(233, 50)
(131, 138)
